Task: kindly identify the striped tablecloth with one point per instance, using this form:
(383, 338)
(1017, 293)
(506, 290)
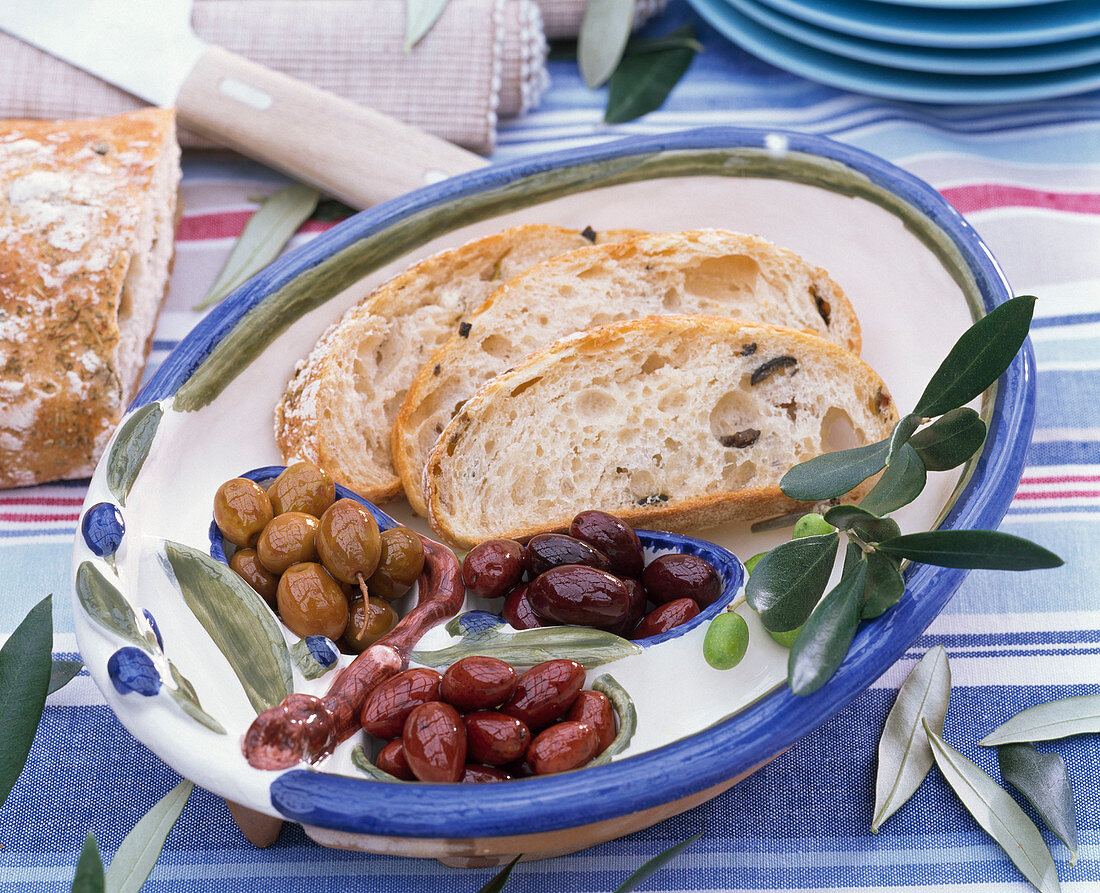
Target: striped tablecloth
(1028, 178)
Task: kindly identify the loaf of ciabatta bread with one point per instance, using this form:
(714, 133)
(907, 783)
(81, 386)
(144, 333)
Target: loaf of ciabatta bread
(708, 272)
(87, 224)
(340, 407)
(672, 422)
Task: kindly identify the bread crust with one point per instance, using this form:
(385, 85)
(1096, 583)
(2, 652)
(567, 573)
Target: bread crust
(432, 396)
(589, 349)
(75, 200)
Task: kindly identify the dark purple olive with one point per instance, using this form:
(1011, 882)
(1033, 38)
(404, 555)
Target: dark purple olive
(579, 595)
(665, 617)
(637, 608)
(671, 577)
(549, 550)
(493, 567)
(518, 612)
(616, 539)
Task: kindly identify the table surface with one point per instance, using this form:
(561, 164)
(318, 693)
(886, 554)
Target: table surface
(1027, 176)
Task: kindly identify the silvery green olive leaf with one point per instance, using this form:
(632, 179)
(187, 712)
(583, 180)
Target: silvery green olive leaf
(844, 517)
(62, 673)
(904, 754)
(823, 643)
(989, 549)
(24, 677)
(89, 868)
(885, 586)
(652, 866)
(979, 357)
(605, 29)
(903, 430)
(588, 647)
(647, 73)
(104, 604)
(420, 16)
(264, 236)
(788, 581)
(1045, 722)
(900, 484)
(130, 449)
(140, 849)
(834, 474)
(1042, 778)
(950, 440)
(878, 530)
(999, 815)
(496, 884)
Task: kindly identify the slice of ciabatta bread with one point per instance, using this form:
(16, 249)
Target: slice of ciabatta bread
(88, 213)
(340, 407)
(708, 272)
(673, 422)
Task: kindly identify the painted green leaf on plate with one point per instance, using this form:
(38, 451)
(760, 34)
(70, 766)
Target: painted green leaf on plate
(1043, 779)
(131, 448)
(1053, 719)
(104, 604)
(184, 694)
(588, 647)
(624, 708)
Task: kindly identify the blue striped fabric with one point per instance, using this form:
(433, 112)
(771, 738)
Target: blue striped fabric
(1028, 177)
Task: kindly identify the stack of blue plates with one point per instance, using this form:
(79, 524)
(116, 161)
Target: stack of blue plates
(924, 50)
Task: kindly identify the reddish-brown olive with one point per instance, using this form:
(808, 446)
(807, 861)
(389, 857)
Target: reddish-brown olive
(545, 692)
(490, 569)
(671, 577)
(614, 538)
(348, 541)
(388, 706)
(665, 617)
(302, 487)
(637, 611)
(478, 683)
(567, 745)
(518, 612)
(594, 708)
(400, 561)
(434, 739)
(391, 759)
(368, 620)
(579, 595)
(290, 538)
(310, 602)
(475, 774)
(242, 510)
(549, 550)
(496, 738)
(248, 567)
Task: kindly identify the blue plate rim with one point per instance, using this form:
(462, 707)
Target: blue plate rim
(762, 730)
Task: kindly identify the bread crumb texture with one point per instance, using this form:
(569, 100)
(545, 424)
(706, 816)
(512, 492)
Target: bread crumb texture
(87, 216)
(670, 422)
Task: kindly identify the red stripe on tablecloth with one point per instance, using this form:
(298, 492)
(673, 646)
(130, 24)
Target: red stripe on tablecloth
(229, 225)
(25, 517)
(983, 196)
(1061, 494)
(1062, 479)
(41, 500)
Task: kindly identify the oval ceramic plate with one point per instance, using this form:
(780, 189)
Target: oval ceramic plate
(188, 686)
(881, 80)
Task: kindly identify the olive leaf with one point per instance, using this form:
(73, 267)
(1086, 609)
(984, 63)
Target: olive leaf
(979, 357)
(652, 866)
(420, 16)
(1043, 780)
(877, 530)
(988, 549)
(89, 868)
(604, 31)
(263, 238)
(1050, 720)
(899, 485)
(131, 448)
(834, 474)
(140, 849)
(844, 517)
(904, 754)
(903, 431)
(788, 581)
(885, 585)
(998, 814)
(626, 712)
(496, 884)
(62, 672)
(646, 74)
(103, 603)
(950, 440)
(823, 643)
(587, 646)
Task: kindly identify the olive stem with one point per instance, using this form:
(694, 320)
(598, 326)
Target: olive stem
(363, 587)
(863, 545)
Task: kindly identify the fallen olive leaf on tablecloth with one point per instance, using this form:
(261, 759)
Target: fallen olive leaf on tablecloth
(1043, 780)
(138, 853)
(1053, 719)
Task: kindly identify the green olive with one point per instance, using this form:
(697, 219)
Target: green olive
(812, 524)
(753, 562)
(288, 539)
(785, 638)
(400, 561)
(368, 621)
(311, 603)
(348, 541)
(241, 511)
(302, 487)
(247, 565)
(726, 641)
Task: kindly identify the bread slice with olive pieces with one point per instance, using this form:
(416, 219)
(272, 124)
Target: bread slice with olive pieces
(340, 406)
(708, 272)
(673, 422)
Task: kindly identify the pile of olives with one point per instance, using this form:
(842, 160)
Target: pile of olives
(596, 576)
(482, 722)
(319, 561)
